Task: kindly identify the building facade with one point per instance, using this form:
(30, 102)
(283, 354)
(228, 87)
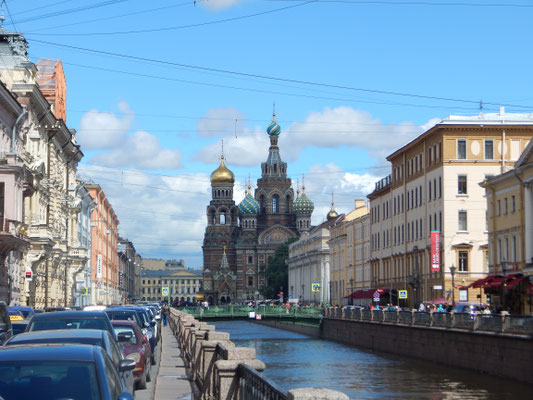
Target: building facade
(105, 274)
(349, 248)
(240, 239)
(182, 286)
(434, 186)
(510, 231)
(126, 278)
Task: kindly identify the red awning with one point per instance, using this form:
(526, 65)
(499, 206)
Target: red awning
(496, 282)
(511, 284)
(482, 282)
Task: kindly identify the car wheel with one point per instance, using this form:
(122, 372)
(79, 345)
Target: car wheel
(142, 383)
(148, 370)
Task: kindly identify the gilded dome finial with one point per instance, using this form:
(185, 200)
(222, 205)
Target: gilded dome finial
(332, 213)
(222, 175)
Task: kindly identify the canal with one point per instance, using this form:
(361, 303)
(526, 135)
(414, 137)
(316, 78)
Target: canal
(293, 360)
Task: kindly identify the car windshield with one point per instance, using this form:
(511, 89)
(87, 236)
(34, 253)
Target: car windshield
(46, 324)
(128, 329)
(118, 316)
(47, 380)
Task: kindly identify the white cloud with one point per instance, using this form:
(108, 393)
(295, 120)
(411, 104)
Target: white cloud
(345, 126)
(323, 180)
(159, 214)
(216, 5)
(217, 121)
(104, 130)
(140, 150)
(330, 128)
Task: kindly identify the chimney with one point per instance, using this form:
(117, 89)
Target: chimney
(502, 110)
(359, 203)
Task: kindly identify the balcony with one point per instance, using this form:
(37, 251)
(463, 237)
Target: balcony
(10, 238)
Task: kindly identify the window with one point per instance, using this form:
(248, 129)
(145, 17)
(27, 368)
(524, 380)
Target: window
(250, 281)
(499, 207)
(489, 149)
(461, 149)
(513, 204)
(463, 261)
(463, 221)
(275, 204)
(461, 184)
(429, 191)
(440, 187)
(250, 259)
(505, 206)
(514, 249)
(222, 218)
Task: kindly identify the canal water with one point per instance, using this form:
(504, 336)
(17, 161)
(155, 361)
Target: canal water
(293, 360)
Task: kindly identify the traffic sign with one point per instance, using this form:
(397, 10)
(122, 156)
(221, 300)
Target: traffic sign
(402, 294)
(28, 275)
(164, 291)
(315, 287)
(376, 295)
(99, 284)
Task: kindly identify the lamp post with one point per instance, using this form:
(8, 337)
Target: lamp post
(351, 291)
(452, 271)
(503, 263)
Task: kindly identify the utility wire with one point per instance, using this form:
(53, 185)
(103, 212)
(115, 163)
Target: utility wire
(71, 10)
(40, 8)
(10, 17)
(420, 3)
(173, 28)
(274, 78)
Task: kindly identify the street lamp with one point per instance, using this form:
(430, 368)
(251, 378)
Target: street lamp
(452, 271)
(503, 263)
(351, 291)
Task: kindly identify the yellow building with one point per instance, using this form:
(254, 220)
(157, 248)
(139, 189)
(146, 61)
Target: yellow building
(434, 186)
(350, 269)
(510, 229)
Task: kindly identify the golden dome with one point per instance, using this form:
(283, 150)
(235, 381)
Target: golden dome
(332, 214)
(222, 175)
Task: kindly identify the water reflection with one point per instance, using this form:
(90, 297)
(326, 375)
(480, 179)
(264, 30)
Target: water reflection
(295, 360)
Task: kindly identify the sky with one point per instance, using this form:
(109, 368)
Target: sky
(154, 87)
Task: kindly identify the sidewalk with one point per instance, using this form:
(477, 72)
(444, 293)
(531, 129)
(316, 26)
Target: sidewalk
(172, 381)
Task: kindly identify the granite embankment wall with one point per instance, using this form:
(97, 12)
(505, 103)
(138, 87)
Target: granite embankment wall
(509, 356)
(309, 330)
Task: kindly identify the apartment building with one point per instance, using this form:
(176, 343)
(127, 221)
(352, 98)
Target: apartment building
(434, 187)
(510, 232)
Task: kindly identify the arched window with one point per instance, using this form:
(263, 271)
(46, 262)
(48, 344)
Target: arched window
(223, 218)
(288, 204)
(262, 202)
(275, 204)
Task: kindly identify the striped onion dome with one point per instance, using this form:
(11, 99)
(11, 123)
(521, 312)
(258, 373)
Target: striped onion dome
(249, 205)
(303, 206)
(273, 129)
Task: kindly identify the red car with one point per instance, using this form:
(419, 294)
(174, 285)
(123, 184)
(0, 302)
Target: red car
(136, 348)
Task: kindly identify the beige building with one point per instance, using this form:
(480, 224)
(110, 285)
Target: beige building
(434, 186)
(47, 148)
(510, 231)
(347, 247)
(181, 284)
(309, 264)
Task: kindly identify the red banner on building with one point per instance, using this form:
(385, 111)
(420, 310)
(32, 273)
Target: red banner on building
(435, 250)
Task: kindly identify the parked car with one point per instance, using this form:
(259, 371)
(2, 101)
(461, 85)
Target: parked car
(19, 326)
(6, 331)
(92, 337)
(27, 312)
(51, 371)
(136, 348)
(71, 320)
(15, 315)
(142, 319)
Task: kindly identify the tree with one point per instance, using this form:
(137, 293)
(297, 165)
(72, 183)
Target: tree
(277, 273)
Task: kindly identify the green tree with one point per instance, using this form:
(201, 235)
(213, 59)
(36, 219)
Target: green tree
(277, 273)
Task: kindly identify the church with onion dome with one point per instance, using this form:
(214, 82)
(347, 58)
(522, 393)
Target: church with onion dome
(240, 238)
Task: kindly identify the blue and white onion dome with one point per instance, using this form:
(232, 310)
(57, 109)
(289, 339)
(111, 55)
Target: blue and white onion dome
(303, 206)
(248, 205)
(273, 129)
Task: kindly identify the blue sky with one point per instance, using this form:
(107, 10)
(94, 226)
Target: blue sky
(151, 130)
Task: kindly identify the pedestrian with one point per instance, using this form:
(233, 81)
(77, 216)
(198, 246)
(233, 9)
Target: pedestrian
(422, 307)
(165, 312)
(440, 308)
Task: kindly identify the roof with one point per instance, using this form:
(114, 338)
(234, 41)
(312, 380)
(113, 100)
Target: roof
(167, 272)
(70, 314)
(74, 352)
(72, 334)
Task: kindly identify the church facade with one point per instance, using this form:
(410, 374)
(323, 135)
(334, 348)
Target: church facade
(241, 238)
